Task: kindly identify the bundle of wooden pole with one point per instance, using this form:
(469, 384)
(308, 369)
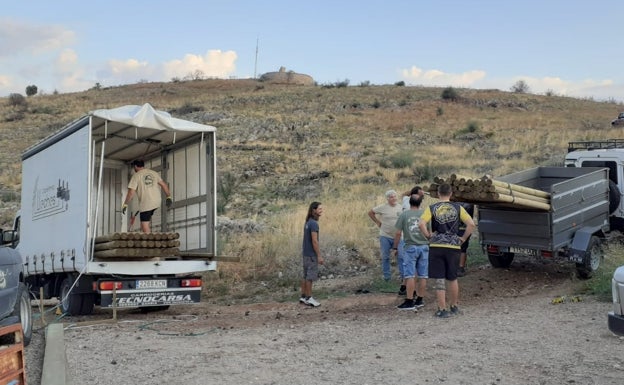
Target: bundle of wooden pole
(487, 190)
(137, 245)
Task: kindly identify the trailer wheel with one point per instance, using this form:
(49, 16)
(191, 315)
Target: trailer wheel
(614, 196)
(75, 303)
(502, 260)
(593, 258)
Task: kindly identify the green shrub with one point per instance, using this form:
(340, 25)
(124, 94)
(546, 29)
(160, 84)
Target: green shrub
(470, 128)
(17, 100)
(398, 160)
(226, 186)
(400, 83)
(450, 93)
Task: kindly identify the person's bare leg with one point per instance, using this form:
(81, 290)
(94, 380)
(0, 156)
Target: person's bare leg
(307, 291)
(441, 298)
(453, 292)
(462, 260)
(145, 227)
(421, 291)
(410, 286)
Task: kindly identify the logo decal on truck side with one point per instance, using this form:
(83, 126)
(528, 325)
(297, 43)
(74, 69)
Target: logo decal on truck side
(50, 200)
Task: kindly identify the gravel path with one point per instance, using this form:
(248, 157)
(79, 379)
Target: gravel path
(509, 333)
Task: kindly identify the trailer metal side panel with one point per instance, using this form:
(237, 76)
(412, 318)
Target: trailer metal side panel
(579, 197)
(55, 202)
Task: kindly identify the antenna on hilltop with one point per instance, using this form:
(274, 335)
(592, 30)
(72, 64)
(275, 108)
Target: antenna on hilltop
(256, 62)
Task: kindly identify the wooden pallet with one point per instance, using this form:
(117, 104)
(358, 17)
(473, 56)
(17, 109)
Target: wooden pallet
(12, 368)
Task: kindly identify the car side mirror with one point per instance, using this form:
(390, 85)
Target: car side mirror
(9, 236)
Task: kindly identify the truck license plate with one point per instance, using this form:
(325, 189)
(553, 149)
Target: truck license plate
(524, 251)
(151, 284)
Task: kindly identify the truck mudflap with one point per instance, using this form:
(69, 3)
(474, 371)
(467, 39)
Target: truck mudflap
(142, 292)
(616, 323)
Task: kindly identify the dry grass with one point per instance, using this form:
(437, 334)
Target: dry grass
(271, 137)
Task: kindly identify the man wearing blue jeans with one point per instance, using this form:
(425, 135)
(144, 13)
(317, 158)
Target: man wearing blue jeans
(385, 216)
(415, 256)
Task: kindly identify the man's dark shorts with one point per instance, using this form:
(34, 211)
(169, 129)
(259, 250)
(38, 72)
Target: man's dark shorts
(146, 216)
(443, 263)
(310, 268)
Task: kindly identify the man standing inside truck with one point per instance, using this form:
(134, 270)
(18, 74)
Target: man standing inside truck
(445, 247)
(145, 183)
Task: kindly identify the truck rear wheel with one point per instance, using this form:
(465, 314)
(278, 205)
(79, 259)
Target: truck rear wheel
(593, 258)
(500, 260)
(73, 303)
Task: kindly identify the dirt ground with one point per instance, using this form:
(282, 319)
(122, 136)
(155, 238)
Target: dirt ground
(510, 332)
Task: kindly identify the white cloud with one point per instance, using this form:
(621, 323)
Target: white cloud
(434, 77)
(605, 89)
(5, 81)
(215, 63)
(19, 37)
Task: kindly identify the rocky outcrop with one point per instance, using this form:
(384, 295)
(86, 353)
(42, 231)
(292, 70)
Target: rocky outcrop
(287, 77)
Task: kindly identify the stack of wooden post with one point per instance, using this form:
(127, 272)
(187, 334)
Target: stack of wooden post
(137, 245)
(487, 190)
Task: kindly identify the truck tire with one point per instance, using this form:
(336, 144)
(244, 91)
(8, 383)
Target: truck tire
(23, 311)
(500, 260)
(614, 196)
(593, 258)
(75, 303)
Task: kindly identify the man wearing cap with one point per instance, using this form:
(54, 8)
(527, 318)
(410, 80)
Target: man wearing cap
(145, 183)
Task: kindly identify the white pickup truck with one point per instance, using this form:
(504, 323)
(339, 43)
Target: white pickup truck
(616, 317)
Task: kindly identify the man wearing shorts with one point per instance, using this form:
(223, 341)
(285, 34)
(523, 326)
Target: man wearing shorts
(146, 184)
(445, 247)
(415, 253)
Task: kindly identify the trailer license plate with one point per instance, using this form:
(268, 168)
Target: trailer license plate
(151, 284)
(524, 251)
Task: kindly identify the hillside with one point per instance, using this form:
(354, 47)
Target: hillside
(275, 141)
(280, 147)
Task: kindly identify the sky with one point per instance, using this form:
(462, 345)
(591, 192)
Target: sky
(562, 47)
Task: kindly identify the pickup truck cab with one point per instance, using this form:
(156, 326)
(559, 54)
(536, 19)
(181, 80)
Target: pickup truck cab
(14, 297)
(616, 317)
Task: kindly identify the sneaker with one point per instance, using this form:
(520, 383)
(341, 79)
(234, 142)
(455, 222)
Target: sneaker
(302, 300)
(455, 310)
(461, 271)
(312, 302)
(419, 303)
(402, 290)
(408, 304)
(442, 313)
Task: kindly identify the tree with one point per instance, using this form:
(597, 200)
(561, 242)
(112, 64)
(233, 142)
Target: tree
(31, 90)
(520, 87)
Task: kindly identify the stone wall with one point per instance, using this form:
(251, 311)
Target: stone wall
(287, 77)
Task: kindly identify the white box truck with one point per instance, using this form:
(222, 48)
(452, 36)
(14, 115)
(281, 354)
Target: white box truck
(73, 186)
